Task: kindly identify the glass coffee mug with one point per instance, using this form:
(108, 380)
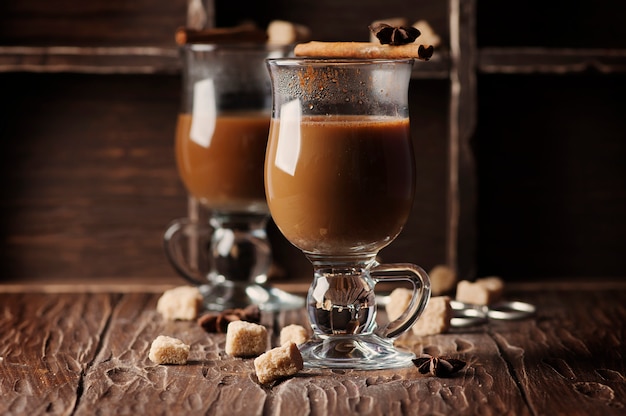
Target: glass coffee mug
(221, 137)
(340, 180)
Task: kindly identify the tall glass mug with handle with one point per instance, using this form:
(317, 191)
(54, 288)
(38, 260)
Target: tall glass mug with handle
(340, 181)
(221, 137)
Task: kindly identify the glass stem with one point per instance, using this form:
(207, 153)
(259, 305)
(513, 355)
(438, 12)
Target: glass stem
(240, 249)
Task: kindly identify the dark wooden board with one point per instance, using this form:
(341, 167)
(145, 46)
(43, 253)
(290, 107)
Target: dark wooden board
(572, 356)
(82, 353)
(91, 180)
(46, 344)
(90, 175)
(153, 22)
(98, 23)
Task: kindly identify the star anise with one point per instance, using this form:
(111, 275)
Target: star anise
(438, 366)
(390, 35)
(217, 322)
(425, 53)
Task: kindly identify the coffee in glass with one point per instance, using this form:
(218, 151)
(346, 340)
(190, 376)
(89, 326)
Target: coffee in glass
(340, 183)
(221, 137)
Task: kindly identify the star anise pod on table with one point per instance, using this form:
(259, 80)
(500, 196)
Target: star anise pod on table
(438, 366)
(217, 322)
(390, 35)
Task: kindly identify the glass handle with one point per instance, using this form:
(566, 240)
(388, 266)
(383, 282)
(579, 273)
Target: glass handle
(179, 239)
(421, 294)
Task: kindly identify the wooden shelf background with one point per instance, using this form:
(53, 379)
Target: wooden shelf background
(94, 89)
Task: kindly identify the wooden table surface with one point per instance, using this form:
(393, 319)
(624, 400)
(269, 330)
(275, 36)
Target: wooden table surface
(83, 351)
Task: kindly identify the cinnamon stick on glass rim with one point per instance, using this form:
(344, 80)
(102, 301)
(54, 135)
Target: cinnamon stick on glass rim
(367, 50)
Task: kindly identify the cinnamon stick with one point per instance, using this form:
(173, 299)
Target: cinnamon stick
(240, 34)
(366, 50)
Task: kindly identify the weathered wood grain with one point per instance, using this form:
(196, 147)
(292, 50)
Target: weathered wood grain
(91, 180)
(47, 342)
(572, 357)
(88, 354)
(122, 377)
(99, 23)
(90, 188)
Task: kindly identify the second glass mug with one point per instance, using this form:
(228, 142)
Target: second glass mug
(340, 183)
(221, 137)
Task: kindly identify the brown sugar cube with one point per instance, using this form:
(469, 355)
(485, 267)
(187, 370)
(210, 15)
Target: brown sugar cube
(483, 291)
(399, 300)
(281, 32)
(494, 284)
(428, 35)
(183, 303)
(436, 317)
(293, 333)
(245, 339)
(278, 363)
(168, 350)
(442, 279)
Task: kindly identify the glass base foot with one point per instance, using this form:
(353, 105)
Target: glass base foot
(229, 296)
(357, 352)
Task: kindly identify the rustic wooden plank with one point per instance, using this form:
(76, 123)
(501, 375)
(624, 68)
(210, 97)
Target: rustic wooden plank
(153, 23)
(92, 181)
(46, 344)
(92, 175)
(89, 158)
(550, 60)
(572, 356)
(483, 388)
(461, 227)
(94, 60)
(63, 353)
(97, 23)
(122, 378)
